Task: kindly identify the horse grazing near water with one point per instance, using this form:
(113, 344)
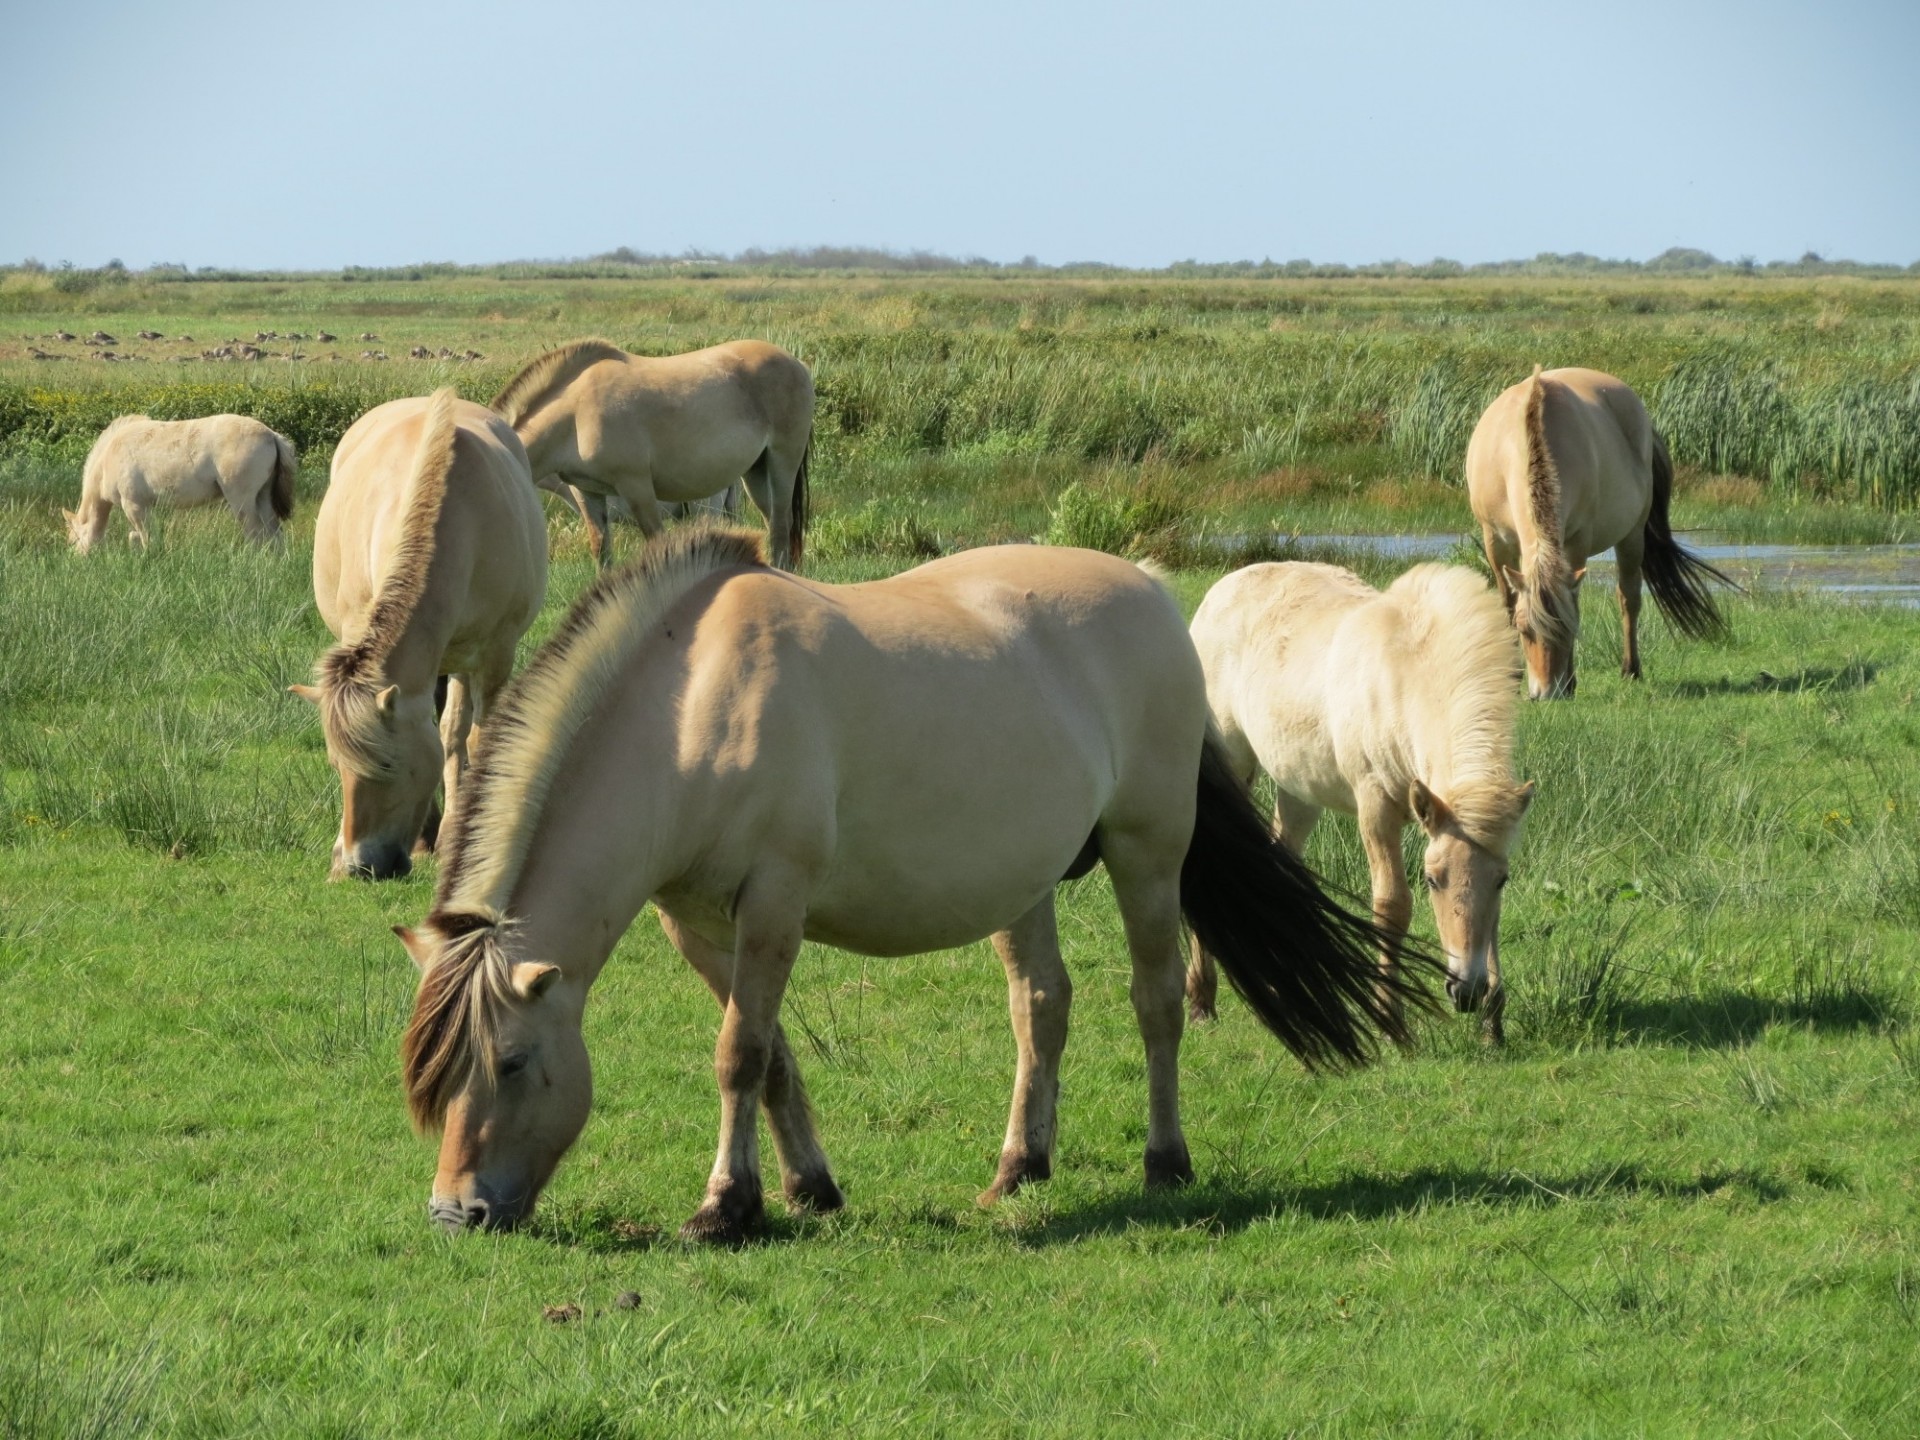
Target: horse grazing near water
(598, 422)
(429, 560)
(138, 463)
(892, 768)
(1394, 708)
(1563, 466)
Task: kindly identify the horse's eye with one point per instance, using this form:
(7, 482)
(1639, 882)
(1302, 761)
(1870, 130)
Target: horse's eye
(1433, 881)
(1503, 883)
(512, 1065)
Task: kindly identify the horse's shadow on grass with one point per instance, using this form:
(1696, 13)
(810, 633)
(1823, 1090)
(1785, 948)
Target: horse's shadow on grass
(1825, 679)
(1729, 1019)
(1220, 1209)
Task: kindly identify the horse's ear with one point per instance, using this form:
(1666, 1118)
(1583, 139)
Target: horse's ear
(1579, 574)
(1523, 794)
(417, 945)
(308, 693)
(73, 516)
(531, 979)
(385, 701)
(1429, 809)
(1515, 581)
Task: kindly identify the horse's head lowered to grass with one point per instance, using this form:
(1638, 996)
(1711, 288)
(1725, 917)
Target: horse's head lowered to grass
(494, 1060)
(385, 744)
(1469, 837)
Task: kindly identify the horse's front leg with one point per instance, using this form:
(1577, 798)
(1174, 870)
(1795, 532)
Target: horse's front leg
(1382, 822)
(593, 512)
(805, 1174)
(456, 732)
(1039, 995)
(767, 932)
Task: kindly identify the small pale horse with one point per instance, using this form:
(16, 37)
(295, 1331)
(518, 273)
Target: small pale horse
(429, 560)
(139, 463)
(1561, 467)
(892, 768)
(1393, 707)
(599, 423)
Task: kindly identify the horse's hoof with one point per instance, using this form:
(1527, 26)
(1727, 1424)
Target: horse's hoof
(1016, 1169)
(725, 1221)
(817, 1194)
(1169, 1169)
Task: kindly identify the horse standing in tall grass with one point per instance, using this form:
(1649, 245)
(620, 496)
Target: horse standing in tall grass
(892, 768)
(1564, 466)
(598, 422)
(1393, 707)
(138, 463)
(429, 559)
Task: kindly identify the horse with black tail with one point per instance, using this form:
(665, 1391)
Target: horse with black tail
(893, 768)
(1563, 466)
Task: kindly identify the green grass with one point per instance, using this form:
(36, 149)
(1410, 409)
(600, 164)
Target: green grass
(1682, 1201)
(1810, 384)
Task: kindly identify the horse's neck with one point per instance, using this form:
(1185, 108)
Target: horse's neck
(414, 652)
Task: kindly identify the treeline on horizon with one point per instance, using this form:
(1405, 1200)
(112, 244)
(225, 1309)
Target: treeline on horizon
(625, 262)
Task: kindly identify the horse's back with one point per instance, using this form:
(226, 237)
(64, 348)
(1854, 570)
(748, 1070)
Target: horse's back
(184, 462)
(1599, 437)
(951, 737)
(489, 512)
(1276, 643)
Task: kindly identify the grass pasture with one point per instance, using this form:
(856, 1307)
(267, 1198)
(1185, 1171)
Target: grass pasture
(1683, 1201)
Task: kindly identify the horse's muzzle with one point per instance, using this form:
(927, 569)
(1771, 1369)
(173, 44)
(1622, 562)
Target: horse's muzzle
(476, 1214)
(372, 863)
(1467, 995)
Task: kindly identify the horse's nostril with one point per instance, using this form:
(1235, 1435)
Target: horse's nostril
(477, 1214)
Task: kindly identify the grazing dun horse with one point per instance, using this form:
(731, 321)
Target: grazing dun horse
(1393, 708)
(139, 463)
(598, 422)
(892, 768)
(1561, 467)
(429, 559)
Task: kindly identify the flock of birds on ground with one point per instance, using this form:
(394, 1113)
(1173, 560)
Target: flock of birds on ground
(99, 346)
(895, 767)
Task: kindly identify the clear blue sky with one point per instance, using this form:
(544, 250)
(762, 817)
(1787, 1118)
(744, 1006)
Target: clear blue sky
(236, 132)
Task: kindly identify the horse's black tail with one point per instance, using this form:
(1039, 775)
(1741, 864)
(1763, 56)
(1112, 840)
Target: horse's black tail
(1305, 966)
(1677, 577)
(797, 523)
(286, 465)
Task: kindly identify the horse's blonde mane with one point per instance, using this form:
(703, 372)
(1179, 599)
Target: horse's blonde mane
(1549, 579)
(525, 391)
(1470, 667)
(465, 992)
(352, 676)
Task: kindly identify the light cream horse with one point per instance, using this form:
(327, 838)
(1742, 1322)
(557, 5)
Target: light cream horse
(1395, 708)
(1564, 466)
(598, 422)
(139, 463)
(892, 768)
(429, 559)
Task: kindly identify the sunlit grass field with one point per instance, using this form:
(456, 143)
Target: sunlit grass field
(1682, 1201)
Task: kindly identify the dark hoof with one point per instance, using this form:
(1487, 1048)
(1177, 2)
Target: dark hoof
(1015, 1170)
(815, 1193)
(1169, 1169)
(726, 1220)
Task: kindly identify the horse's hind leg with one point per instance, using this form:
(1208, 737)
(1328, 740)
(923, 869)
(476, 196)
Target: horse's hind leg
(1627, 556)
(805, 1175)
(1146, 883)
(1039, 994)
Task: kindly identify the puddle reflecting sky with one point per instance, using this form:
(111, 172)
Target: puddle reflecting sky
(1873, 574)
